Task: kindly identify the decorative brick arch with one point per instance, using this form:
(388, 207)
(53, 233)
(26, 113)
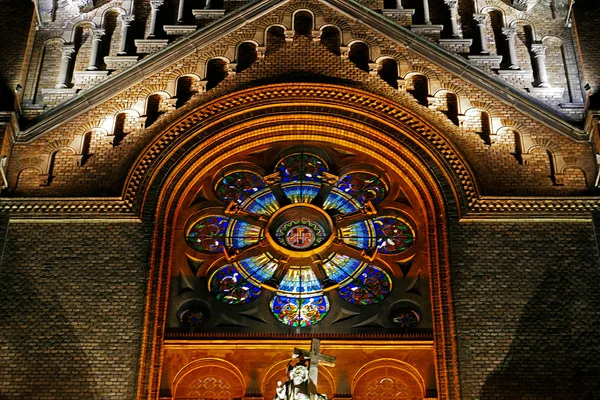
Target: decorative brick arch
(168, 170)
(208, 379)
(388, 379)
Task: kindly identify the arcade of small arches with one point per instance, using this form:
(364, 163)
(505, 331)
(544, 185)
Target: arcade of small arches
(423, 84)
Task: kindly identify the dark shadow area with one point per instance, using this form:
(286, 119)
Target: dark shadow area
(303, 23)
(331, 39)
(216, 71)
(418, 87)
(388, 71)
(185, 90)
(359, 55)
(152, 109)
(246, 56)
(556, 350)
(275, 38)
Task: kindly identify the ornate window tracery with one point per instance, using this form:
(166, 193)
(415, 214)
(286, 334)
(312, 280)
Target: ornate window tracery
(302, 233)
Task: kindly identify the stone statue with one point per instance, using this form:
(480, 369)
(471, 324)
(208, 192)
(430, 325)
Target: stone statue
(297, 387)
(302, 384)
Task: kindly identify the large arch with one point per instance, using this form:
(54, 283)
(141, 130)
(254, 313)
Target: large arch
(165, 175)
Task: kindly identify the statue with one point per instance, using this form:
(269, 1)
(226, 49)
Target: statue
(302, 383)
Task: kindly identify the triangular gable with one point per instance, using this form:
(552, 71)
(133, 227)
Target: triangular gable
(260, 9)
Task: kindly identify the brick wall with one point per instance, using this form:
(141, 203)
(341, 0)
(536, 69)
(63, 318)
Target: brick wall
(526, 299)
(587, 30)
(71, 301)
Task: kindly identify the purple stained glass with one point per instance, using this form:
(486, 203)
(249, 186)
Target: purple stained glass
(294, 311)
(208, 234)
(363, 186)
(229, 286)
(239, 186)
(301, 167)
(394, 235)
(372, 286)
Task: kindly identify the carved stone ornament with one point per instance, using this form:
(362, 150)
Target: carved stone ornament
(480, 19)
(451, 3)
(523, 5)
(538, 50)
(509, 33)
(155, 4)
(83, 5)
(127, 19)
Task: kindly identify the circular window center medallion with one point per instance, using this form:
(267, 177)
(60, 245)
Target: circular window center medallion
(300, 234)
(299, 230)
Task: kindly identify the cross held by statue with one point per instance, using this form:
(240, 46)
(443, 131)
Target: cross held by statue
(315, 358)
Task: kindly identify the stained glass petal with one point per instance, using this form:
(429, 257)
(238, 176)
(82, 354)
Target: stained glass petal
(239, 186)
(394, 235)
(260, 268)
(303, 193)
(208, 234)
(363, 186)
(340, 267)
(342, 202)
(372, 286)
(299, 311)
(360, 234)
(263, 202)
(242, 234)
(300, 280)
(229, 286)
(301, 167)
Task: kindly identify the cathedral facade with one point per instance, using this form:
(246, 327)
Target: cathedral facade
(195, 190)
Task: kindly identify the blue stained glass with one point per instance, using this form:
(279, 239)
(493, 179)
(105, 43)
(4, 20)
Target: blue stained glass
(300, 279)
(394, 235)
(229, 286)
(360, 234)
(363, 186)
(371, 286)
(301, 167)
(241, 234)
(263, 203)
(340, 201)
(260, 268)
(340, 267)
(303, 311)
(301, 193)
(239, 186)
(208, 234)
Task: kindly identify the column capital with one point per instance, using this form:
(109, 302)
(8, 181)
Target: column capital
(480, 19)
(509, 32)
(127, 18)
(156, 4)
(98, 33)
(538, 49)
(451, 3)
(68, 50)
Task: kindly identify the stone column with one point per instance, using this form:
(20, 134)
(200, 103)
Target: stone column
(509, 34)
(538, 51)
(97, 35)
(480, 20)
(67, 53)
(180, 11)
(427, 20)
(156, 5)
(208, 5)
(453, 7)
(399, 5)
(126, 21)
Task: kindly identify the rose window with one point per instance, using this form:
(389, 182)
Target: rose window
(302, 233)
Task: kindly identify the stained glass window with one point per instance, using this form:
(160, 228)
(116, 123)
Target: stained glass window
(394, 235)
(363, 186)
(285, 242)
(299, 311)
(229, 286)
(372, 286)
(239, 186)
(208, 234)
(301, 167)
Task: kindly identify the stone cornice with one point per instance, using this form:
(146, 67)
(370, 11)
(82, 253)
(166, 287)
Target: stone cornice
(484, 207)
(416, 44)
